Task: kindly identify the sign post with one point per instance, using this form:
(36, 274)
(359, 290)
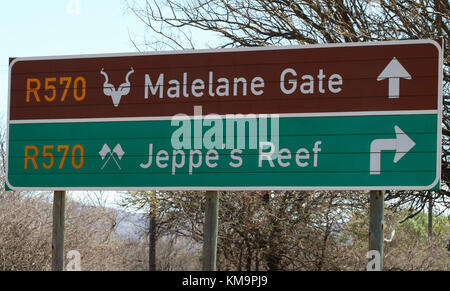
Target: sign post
(376, 225)
(59, 206)
(210, 231)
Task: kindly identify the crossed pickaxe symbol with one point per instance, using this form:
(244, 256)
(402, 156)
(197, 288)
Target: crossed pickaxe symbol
(107, 150)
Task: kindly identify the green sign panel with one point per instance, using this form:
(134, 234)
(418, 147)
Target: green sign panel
(356, 152)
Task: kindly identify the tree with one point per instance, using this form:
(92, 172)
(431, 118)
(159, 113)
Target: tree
(162, 230)
(147, 201)
(243, 23)
(267, 230)
(407, 246)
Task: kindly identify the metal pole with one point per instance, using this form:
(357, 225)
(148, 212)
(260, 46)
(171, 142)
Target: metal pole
(430, 218)
(376, 224)
(59, 205)
(210, 231)
(152, 234)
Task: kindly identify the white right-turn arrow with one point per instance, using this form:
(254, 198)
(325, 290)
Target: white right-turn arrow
(394, 71)
(401, 144)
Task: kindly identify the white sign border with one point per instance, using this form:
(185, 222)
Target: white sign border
(234, 188)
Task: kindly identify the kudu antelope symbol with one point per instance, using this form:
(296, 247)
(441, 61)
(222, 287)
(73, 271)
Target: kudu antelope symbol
(110, 90)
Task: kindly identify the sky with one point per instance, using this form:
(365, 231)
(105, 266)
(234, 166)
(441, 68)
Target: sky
(31, 28)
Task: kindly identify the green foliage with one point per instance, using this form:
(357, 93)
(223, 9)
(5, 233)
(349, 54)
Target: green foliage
(418, 226)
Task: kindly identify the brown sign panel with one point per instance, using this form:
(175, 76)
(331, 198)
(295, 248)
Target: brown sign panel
(302, 79)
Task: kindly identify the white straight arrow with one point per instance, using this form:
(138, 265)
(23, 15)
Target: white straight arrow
(401, 144)
(394, 71)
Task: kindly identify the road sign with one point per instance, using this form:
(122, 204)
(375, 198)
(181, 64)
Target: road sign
(336, 116)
